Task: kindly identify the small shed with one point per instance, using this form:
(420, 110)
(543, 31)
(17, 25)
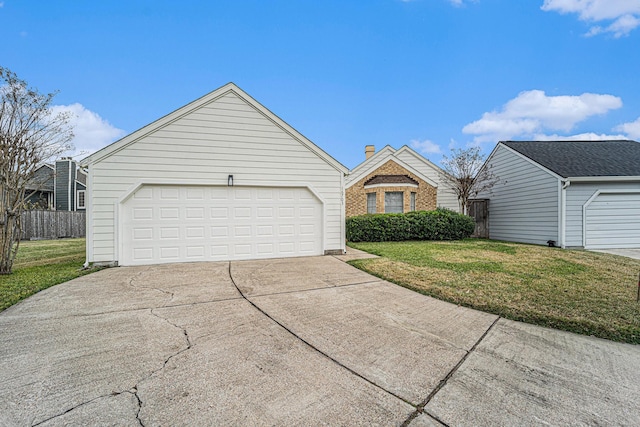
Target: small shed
(576, 194)
(221, 178)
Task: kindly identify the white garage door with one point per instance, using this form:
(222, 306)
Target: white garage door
(613, 221)
(162, 223)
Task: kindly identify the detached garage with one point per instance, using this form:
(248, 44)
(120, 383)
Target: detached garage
(221, 178)
(578, 194)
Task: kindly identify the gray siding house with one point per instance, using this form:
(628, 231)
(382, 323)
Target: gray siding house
(61, 186)
(578, 194)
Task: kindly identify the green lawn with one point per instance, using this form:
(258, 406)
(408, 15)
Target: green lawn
(579, 291)
(41, 264)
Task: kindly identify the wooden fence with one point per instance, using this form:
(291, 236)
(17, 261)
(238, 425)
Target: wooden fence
(479, 210)
(42, 224)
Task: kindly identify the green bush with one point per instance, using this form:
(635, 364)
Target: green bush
(441, 224)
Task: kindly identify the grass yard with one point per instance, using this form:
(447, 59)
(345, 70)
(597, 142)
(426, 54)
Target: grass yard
(41, 264)
(578, 291)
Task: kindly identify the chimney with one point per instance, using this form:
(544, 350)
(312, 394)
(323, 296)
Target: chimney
(369, 150)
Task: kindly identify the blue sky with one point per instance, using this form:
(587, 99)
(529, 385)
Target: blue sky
(431, 74)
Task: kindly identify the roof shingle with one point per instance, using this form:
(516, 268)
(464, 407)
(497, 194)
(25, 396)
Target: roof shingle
(583, 158)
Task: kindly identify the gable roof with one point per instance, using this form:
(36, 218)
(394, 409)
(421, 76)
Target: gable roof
(204, 100)
(582, 158)
(381, 157)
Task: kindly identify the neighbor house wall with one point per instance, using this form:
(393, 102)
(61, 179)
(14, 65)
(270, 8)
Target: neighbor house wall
(356, 194)
(524, 204)
(577, 194)
(446, 197)
(62, 185)
(226, 136)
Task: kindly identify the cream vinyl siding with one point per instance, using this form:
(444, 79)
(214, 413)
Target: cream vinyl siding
(523, 206)
(227, 136)
(446, 197)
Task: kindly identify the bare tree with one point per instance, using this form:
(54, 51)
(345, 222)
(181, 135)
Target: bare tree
(465, 171)
(30, 134)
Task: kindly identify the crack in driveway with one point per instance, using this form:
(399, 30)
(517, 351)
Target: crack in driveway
(299, 338)
(134, 390)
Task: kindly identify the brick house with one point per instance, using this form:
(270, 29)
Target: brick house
(396, 181)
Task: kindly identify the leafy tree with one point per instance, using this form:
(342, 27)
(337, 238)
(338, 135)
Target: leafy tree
(466, 171)
(30, 134)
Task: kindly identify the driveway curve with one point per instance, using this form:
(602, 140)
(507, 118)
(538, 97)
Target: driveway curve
(304, 341)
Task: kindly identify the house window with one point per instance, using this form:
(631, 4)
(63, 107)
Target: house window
(413, 201)
(394, 202)
(371, 203)
(80, 200)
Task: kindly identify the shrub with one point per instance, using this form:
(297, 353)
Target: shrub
(440, 224)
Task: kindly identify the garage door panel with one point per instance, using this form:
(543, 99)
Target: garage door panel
(172, 224)
(612, 220)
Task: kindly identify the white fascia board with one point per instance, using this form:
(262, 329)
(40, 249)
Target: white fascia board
(421, 158)
(385, 151)
(373, 165)
(194, 105)
(604, 179)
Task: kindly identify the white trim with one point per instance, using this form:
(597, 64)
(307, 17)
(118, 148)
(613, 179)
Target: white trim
(387, 150)
(562, 212)
(390, 185)
(343, 213)
(353, 179)
(200, 183)
(605, 179)
(420, 157)
(591, 200)
(84, 206)
(200, 102)
(89, 218)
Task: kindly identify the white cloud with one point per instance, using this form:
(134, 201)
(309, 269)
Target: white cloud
(91, 132)
(590, 136)
(625, 14)
(632, 129)
(533, 112)
(426, 146)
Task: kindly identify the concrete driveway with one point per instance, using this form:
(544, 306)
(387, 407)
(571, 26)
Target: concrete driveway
(629, 253)
(306, 341)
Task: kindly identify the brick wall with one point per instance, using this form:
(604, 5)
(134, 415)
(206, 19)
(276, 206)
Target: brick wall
(356, 195)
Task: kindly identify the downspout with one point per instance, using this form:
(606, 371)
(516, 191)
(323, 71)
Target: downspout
(563, 213)
(88, 218)
(343, 219)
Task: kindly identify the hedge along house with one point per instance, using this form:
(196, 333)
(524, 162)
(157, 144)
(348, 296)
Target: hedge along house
(221, 178)
(577, 194)
(393, 181)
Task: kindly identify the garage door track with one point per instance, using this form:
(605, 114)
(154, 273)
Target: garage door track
(304, 341)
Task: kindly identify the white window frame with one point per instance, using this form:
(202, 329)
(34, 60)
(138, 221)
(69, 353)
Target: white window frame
(371, 207)
(84, 199)
(412, 205)
(401, 193)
